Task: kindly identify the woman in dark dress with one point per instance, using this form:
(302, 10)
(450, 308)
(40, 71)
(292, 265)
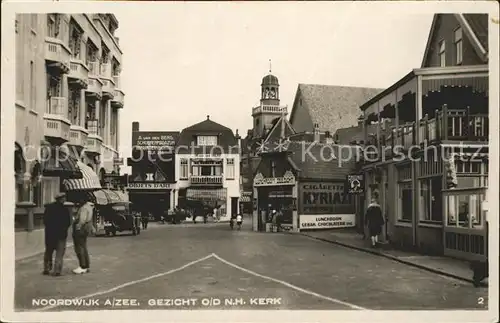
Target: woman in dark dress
(374, 220)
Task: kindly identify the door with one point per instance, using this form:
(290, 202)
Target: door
(234, 205)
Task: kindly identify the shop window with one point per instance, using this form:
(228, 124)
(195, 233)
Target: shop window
(230, 168)
(206, 140)
(464, 210)
(205, 170)
(50, 187)
(184, 169)
(430, 199)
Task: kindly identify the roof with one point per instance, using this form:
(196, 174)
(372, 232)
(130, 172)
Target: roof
(278, 124)
(346, 136)
(227, 140)
(332, 107)
(475, 27)
(270, 80)
(320, 160)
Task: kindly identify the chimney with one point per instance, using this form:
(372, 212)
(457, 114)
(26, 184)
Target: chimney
(135, 126)
(316, 132)
(328, 138)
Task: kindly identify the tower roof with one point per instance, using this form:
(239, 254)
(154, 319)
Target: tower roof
(270, 80)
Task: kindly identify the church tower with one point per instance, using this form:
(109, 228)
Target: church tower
(269, 109)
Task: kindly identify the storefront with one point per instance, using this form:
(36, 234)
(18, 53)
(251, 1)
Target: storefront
(275, 194)
(151, 197)
(201, 201)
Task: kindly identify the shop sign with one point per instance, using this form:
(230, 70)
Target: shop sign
(153, 141)
(118, 161)
(325, 198)
(148, 186)
(287, 179)
(355, 183)
(326, 221)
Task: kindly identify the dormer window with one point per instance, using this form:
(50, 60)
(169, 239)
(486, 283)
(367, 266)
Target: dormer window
(458, 45)
(206, 140)
(442, 53)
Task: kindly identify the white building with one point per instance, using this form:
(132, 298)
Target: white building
(68, 94)
(207, 169)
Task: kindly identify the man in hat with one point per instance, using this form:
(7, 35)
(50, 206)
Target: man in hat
(82, 228)
(57, 220)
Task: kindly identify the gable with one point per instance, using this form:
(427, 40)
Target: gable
(474, 39)
(276, 130)
(300, 119)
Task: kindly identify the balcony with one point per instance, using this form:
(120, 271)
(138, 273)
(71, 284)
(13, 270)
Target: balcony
(105, 71)
(56, 120)
(118, 100)
(94, 69)
(78, 136)
(276, 109)
(206, 180)
(94, 89)
(94, 141)
(57, 55)
(78, 74)
(108, 89)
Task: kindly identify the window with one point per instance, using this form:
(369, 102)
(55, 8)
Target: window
(430, 199)
(442, 53)
(273, 168)
(205, 170)
(32, 87)
(51, 26)
(465, 210)
(184, 169)
(405, 193)
(230, 168)
(472, 173)
(206, 140)
(458, 46)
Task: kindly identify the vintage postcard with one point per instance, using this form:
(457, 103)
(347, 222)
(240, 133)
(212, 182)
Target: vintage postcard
(249, 161)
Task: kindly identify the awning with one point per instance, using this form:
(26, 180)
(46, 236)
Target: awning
(57, 163)
(105, 197)
(200, 194)
(89, 181)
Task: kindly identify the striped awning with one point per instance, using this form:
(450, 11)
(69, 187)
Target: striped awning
(200, 194)
(56, 162)
(90, 180)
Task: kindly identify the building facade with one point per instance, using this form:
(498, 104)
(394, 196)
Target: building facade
(433, 153)
(207, 163)
(68, 98)
(152, 184)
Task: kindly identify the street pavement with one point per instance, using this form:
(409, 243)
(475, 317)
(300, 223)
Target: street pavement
(211, 267)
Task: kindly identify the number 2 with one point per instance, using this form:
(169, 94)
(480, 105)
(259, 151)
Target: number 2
(480, 301)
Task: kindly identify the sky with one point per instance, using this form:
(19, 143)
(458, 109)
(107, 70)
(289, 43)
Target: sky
(182, 63)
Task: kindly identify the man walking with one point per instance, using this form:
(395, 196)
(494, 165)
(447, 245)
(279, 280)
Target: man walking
(374, 220)
(82, 228)
(57, 221)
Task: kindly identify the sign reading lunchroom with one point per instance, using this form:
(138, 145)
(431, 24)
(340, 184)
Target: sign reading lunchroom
(325, 205)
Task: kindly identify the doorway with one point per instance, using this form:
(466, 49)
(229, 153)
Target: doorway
(234, 205)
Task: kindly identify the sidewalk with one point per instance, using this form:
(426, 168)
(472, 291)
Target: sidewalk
(29, 244)
(450, 267)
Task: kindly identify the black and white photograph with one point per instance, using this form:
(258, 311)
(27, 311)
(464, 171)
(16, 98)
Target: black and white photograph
(250, 161)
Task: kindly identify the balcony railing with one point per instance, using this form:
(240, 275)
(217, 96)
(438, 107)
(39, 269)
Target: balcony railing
(79, 71)
(94, 86)
(106, 70)
(94, 68)
(56, 52)
(270, 109)
(94, 140)
(57, 124)
(118, 98)
(206, 180)
(116, 78)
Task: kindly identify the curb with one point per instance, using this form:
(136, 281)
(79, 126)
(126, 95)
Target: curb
(409, 263)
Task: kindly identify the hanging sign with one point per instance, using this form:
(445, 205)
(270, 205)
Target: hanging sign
(355, 183)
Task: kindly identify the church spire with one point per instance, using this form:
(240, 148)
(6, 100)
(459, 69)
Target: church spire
(270, 69)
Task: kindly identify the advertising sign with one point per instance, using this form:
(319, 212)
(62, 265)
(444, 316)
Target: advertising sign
(287, 179)
(356, 183)
(325, 198)
(148, 186)
(154, 140)
(326, 221)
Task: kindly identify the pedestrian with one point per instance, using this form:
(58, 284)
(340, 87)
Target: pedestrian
(239, 220)
(57, 220)
(216, 214)
(82, 228)
(279, 219)
(374, 220)
(144, 220)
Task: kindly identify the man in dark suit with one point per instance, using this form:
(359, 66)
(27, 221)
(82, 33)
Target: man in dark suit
(57, 220)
